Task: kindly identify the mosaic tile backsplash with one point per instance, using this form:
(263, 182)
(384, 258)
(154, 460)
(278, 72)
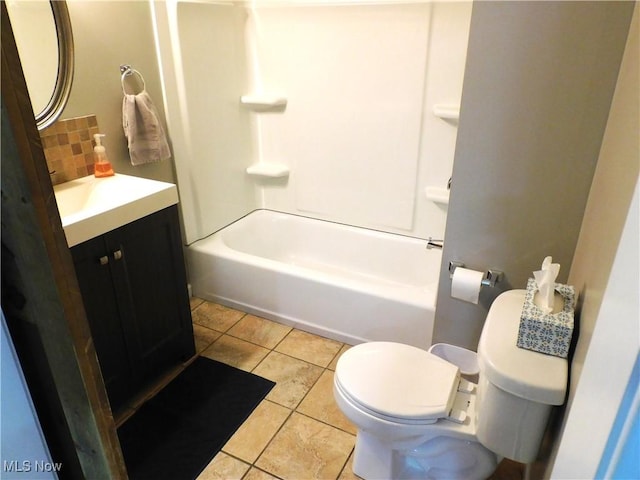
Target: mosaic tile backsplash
(68, 148)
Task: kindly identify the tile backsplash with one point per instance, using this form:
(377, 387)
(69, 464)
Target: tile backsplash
(68, 147)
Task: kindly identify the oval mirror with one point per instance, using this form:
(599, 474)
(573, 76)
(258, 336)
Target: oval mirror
(42, 30)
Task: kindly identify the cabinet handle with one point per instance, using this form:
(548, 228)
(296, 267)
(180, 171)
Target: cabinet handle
(117, 255)
(104, 260)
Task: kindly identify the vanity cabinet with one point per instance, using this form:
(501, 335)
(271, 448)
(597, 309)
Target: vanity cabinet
(134, 288)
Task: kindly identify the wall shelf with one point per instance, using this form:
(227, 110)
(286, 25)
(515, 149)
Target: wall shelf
(264, 102)
(438, 195)
(268, 170)
(446, 112)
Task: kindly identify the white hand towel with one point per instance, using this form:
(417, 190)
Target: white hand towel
(144, 132)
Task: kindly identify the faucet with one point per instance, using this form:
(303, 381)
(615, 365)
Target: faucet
(431, 243)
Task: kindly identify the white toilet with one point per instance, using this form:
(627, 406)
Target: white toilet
(417, 418)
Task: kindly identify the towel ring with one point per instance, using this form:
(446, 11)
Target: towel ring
(127, 71)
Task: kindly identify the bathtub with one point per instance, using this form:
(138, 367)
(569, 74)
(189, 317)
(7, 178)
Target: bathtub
(347, 283)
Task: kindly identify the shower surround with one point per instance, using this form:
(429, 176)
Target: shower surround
(366, 127)
(342, 111)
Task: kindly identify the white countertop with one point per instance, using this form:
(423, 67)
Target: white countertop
(92, 206)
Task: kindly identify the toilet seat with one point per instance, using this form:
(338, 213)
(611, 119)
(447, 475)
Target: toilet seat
(398, 382)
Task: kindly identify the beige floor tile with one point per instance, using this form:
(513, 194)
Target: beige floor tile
(320, 404)
(255, 433)
(224, 467)
(309, 347)
(259, 330)
(216, 317)
(236, 352)
(204, 337)
(256, 474)
(334, 362)
(194, 302)
(306, 448)
(293, 377)
(347, 471)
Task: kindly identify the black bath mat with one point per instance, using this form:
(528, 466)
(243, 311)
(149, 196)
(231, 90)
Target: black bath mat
(177, 433)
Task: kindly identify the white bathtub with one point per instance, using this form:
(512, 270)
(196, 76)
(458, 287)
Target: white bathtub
(346, 283)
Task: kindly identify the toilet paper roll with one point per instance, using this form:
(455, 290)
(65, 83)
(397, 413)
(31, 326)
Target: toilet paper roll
(466, 284)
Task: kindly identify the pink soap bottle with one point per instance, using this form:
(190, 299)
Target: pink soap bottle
(102, 167)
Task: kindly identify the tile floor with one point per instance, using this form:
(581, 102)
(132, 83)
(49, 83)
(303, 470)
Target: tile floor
(297, 431)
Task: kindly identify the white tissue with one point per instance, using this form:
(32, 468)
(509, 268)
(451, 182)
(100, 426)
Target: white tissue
(546, 281)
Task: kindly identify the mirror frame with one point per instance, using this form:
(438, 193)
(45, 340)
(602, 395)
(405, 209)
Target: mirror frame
(64, 78)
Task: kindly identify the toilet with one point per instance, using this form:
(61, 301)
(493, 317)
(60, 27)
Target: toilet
(418, 418)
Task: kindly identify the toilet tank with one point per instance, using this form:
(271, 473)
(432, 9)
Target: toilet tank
(516, 388)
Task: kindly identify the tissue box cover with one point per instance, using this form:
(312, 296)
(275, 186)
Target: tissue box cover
(546, 333)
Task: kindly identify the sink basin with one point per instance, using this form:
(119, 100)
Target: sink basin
(92, 206)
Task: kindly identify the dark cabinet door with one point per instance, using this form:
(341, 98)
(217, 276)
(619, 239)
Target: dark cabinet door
(134, 287)
(94, 271)
(159, 330)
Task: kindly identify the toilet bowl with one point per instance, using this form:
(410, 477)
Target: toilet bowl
(415, 415)
(418, 418)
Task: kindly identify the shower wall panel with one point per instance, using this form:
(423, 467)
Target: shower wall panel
(202, 52)
(354, 77)
(358, 133)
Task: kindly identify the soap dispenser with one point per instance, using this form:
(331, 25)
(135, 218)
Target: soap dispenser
(102, 166)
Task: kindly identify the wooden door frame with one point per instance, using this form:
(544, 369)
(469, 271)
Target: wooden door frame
(41, 298)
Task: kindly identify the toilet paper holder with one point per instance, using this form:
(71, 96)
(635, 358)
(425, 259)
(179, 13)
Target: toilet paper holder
(491, 276)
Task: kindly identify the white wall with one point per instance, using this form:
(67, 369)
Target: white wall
(357, 134)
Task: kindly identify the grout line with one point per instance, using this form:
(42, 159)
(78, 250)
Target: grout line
(291, 411)
(346, 462)
(283, 338)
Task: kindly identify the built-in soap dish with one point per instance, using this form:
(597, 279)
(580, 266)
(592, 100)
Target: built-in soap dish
(268, 170)
(447, 112)
(438, 195)
(264, 102)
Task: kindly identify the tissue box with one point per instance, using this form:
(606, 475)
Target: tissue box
(546, 333)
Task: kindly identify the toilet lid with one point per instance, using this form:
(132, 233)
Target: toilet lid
(398, 380)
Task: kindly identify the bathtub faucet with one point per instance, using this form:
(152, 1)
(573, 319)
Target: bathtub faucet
(431, 243)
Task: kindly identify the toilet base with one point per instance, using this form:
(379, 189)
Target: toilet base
(437, 458)
(372, 458)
